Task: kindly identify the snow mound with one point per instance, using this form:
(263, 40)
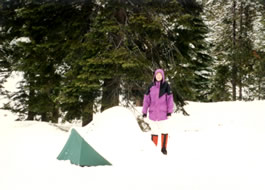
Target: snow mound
(116, 130)
(117, 119)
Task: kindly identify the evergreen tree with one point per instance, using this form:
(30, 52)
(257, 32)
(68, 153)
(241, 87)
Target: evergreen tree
(256, 78)
(233, 36)
(220, 88)
(4, 64)
(9, 27)
(127, 41)
(79, 88)
(46, 26)
(77, 55)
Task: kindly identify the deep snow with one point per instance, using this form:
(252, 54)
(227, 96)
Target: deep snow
(219, 146)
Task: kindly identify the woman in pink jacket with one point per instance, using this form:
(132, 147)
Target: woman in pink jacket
(158, 100)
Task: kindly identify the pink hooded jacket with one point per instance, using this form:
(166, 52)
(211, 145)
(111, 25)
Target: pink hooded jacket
(158, 99)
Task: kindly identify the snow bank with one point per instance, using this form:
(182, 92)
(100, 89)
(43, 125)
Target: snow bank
(219, 146)
(116, 130)
(208, 116)
(28, 154)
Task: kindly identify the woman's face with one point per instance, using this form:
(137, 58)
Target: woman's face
(159, 77)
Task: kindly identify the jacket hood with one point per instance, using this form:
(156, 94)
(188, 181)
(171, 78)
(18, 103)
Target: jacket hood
(159, 71)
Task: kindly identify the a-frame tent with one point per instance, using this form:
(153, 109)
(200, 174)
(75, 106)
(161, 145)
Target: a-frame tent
(79, 152)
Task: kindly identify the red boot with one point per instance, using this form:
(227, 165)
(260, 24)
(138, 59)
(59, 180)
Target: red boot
(154, 139)
(164, 139)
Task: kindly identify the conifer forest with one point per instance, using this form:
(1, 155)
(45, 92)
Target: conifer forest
(82, 56)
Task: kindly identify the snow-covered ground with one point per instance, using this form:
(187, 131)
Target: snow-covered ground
(220, 146)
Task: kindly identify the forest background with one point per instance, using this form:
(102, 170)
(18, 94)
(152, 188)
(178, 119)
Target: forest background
(77, 57)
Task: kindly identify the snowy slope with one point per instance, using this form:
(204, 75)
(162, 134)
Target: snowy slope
(219, 146)
(116, 130)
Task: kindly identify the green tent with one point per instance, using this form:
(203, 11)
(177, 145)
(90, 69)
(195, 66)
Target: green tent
(79, 152)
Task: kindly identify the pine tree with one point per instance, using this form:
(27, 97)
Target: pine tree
(154, 35)
(9, 27)
(45, 26)
(256, 78)
(79, 55)
(232, 26)
(126, 42)
(78, 94)
(220, 88)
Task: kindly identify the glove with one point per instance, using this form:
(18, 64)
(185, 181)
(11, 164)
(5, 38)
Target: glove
(144, 115)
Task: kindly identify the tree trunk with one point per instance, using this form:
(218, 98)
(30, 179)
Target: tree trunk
(44, 117)
(139, 101)
(241, 49)
(86, 118)
(110, 96)
(87, 115)
(111, 87)
(31, 114)
(234, 65)
(55, 115)
(259, 88)
(240, 85)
